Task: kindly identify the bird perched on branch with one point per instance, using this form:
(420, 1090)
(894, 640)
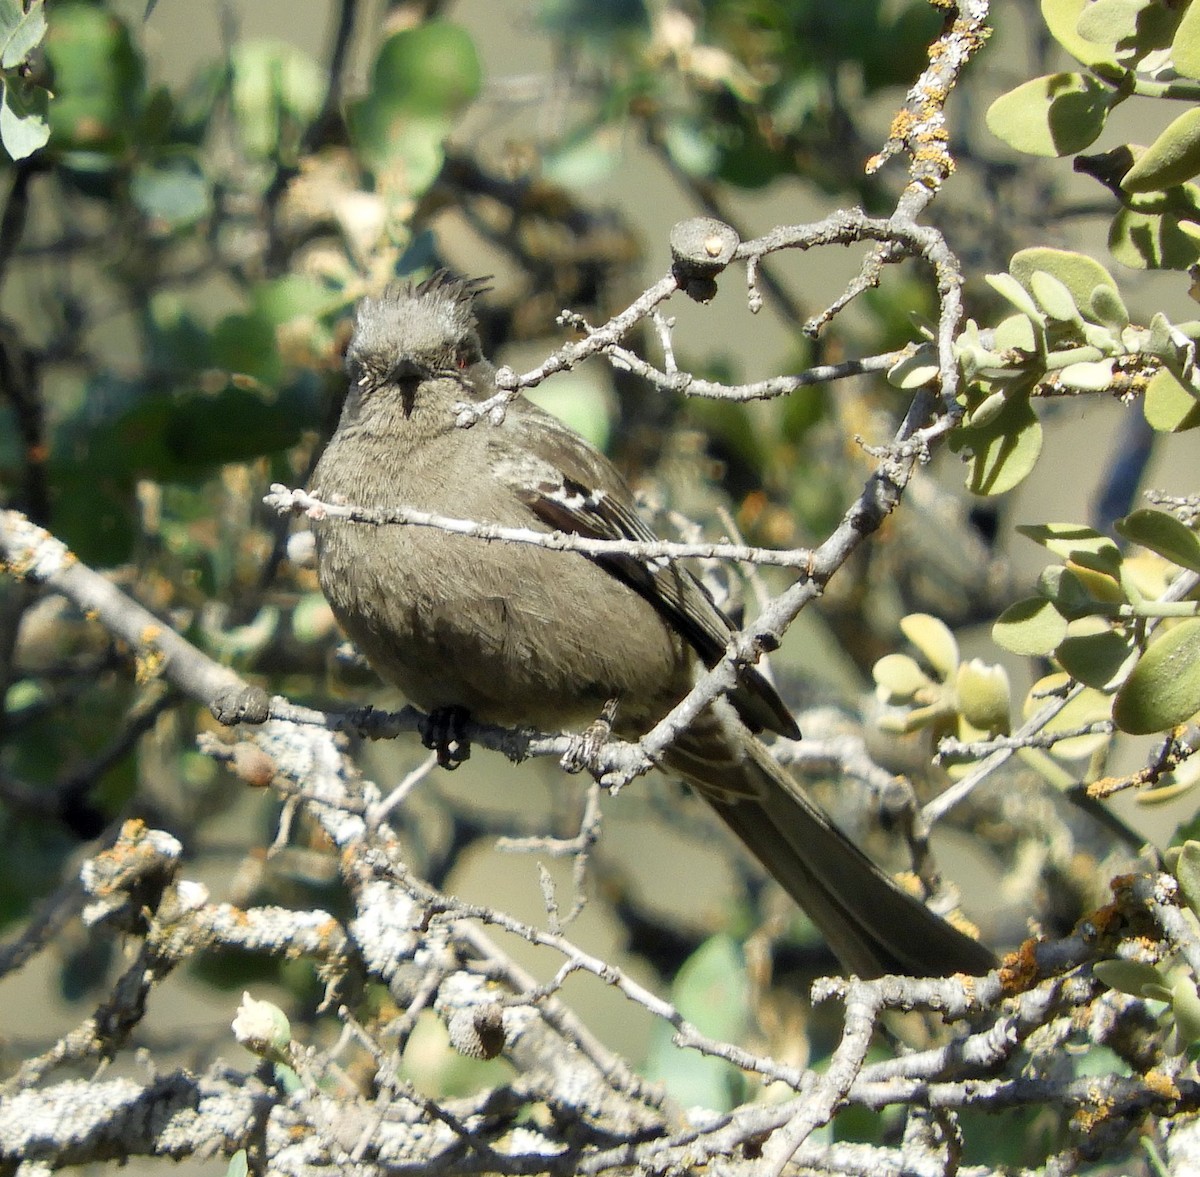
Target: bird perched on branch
(516, 634)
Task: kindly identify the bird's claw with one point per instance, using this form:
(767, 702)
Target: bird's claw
(443, 731)
(585, 751)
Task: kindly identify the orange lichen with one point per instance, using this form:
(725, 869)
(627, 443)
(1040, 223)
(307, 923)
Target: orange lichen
(1162, 1085)
(148, 665)
(1019, 970)
(902, 125)
(1088, 1119)
(1104, 919)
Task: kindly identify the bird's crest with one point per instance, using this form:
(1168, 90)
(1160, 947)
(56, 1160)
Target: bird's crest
(431, 323)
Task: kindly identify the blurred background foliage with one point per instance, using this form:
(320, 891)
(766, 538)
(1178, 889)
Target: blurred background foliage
(180, 248)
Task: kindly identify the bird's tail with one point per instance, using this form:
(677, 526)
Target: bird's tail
(872, 924)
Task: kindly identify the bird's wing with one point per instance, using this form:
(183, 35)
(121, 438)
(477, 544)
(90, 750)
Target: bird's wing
(571, 487)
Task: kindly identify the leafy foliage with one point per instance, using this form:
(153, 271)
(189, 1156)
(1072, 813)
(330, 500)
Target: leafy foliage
(1128, 48)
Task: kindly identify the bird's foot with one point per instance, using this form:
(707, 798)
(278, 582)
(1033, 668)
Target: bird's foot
(584, 752)
(442, 731)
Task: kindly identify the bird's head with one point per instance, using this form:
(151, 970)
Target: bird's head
(412, 333)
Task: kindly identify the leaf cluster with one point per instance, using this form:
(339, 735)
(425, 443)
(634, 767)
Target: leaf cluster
(1147, 48)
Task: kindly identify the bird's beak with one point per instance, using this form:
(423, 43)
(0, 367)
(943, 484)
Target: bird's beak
(406, 370)
(406, 374)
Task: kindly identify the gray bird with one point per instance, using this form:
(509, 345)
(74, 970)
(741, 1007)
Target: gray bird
(521, 635)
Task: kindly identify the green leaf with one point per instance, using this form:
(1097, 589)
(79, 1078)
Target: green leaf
(691, 147)
(159, 130)
(934, 639)
(1109, 22)
(91, 443)
(1095, 659)
(244, 345)
(1187, 871)
(1016, 332)
(1087, 376)
(231, 426)
(1008, 287)
(899, 676)
(1080, 274)
(1170, 407)
(11, 12)
(1102, 575)
(1171, 159)
(238, 1165)
(422, 79)
(1135, 27)
(606, 23)
(1032, 626)
(582, 402)
(1107, 306)
(1182, 199)
(1073, 541)
(988, 408)
(176, 339)
(173, 192)
(96, 519)
(417, 153)
(24, 693)
(1128, 976)
(1164, 687)
(1167, 343)
(1002, 451)
(1062, 19)
(1185, 48)
(1066, 592)
(1153, 241)
(24, 128)
(916, 370)
(99, 79)
(281, 300)
(277, 90)
(712, 992)
(1185, 1005)
(585, 161)
(983, 696)
(1164, 534)
(1054, 296)
(22, 38)
(1054, 115)
(748, 162)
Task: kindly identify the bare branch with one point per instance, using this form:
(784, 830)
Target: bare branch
(301, 502)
